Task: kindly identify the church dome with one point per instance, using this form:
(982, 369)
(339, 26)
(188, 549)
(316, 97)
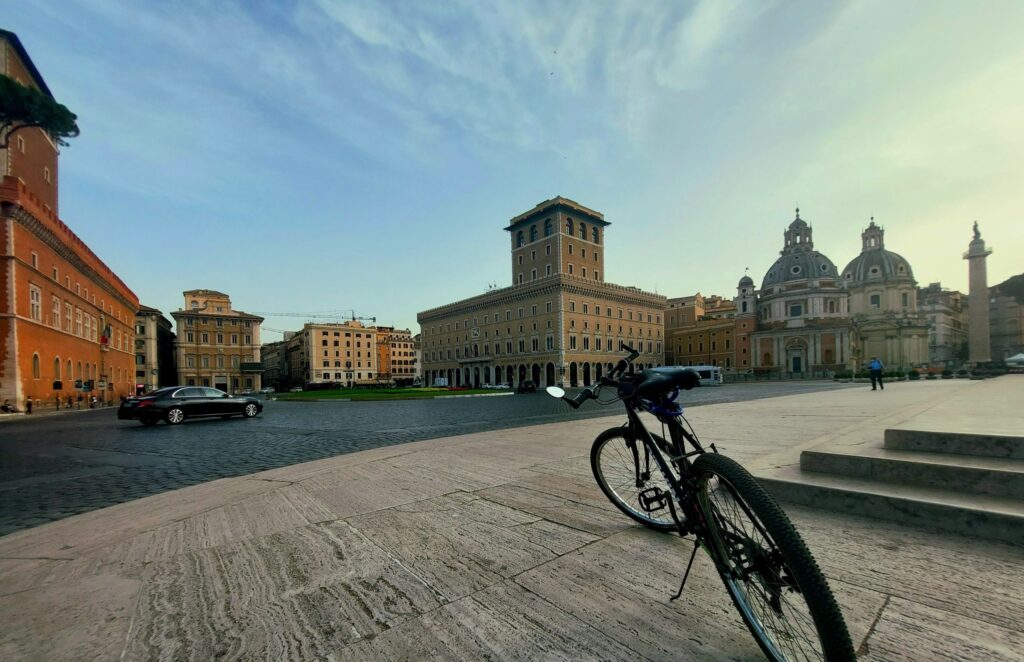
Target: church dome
(798, 260)
(875, 264)
(746, 281)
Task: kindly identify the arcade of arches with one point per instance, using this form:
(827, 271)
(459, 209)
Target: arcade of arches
(547, 374)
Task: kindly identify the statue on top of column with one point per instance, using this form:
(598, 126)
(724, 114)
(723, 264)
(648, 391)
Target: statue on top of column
(977, 233)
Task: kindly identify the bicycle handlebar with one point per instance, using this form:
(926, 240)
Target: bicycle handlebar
(620, 367)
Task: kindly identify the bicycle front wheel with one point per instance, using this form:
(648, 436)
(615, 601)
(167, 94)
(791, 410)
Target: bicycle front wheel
(768, 571)
(623, 470)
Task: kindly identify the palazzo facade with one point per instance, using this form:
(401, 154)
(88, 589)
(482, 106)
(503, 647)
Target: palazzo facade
(559, 323)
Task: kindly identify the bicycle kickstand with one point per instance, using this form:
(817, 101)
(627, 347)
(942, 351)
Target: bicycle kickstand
(696, 545)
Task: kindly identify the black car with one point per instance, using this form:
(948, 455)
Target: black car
(176, 403)
(526, 387)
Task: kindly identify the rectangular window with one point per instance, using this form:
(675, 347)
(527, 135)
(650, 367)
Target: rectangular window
(550, 342)
(190, 337)
(67, 317)
(570, 269)
(56, 312)
(206, 361)
(190, 361)
(876, 301)
(796, 310)
(78, 322)
(35, 303)
(572, 342)
(206, 338)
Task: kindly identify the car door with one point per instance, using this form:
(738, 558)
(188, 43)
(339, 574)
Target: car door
(218, 402)
(190, 400)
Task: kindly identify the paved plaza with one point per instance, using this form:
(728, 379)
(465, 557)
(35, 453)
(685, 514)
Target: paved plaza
(491, 545)
(72, 462)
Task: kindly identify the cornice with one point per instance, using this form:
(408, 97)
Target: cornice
(556, 284)
(28, 221)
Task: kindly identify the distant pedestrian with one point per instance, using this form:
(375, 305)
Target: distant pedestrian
(57, 398)
(70, 403)
(79, 403)
(28, 405)
(875, 366)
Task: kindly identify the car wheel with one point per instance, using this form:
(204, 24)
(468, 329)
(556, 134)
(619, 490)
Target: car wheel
(250, 410)
(175, 415)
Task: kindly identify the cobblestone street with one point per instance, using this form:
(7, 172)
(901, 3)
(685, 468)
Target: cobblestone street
(60, 465)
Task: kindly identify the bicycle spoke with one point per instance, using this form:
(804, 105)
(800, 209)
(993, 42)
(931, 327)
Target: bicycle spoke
(762, 584)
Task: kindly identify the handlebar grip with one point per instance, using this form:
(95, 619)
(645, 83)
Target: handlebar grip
(583, 396)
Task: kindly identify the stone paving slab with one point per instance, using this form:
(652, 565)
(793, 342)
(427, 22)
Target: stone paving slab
(494, 545)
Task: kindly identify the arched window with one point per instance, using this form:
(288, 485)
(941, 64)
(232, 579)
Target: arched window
(767, 359)
(831, 306)
(568, 226)
(519, 239)
(56, 368)
(78, 375)
(533, 232)
(596, 235)
(548, 229)
(35, 366)
(583, 231)
(71, 370)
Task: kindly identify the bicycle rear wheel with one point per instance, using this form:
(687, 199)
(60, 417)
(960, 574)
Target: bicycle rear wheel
(615, 469)
(770, 575)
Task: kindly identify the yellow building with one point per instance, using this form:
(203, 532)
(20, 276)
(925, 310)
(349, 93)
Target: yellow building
(559, 322)
(342, 353)
(216, 345)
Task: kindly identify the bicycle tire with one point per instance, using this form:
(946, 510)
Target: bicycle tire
(825, 617)
(614, 483)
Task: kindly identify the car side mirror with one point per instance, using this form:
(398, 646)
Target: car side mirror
(225, 395)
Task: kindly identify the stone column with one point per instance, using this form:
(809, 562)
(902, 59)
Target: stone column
(978, 339)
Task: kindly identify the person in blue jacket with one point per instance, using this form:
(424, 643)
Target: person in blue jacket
(875, 367)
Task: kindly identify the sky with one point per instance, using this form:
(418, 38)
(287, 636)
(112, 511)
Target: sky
(317, 156)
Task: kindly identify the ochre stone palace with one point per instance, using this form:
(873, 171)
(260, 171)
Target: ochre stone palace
(559, 322)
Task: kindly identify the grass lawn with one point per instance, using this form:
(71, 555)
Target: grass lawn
(379, 393)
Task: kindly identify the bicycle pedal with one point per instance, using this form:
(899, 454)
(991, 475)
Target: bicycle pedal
(653, 499)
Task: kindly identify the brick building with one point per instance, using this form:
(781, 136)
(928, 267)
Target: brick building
(396, 356)
(66, 320)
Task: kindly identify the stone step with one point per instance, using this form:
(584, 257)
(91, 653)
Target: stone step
(992, 476)
(959, 443)
(988, 517)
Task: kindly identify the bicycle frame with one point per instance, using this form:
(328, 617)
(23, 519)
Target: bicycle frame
(682, 485)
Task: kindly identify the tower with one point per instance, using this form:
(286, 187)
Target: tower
(558, 236)
(978, 342)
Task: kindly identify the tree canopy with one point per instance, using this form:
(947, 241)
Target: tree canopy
(22, 107)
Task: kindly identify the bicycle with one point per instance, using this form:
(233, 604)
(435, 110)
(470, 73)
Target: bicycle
(769, 573)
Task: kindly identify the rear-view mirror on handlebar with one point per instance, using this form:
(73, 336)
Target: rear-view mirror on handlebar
(556, 392)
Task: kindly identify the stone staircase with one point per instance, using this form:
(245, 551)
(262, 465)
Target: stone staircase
(965, 483)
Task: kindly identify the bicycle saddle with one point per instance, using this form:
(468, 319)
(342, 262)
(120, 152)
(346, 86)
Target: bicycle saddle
(659, 381)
